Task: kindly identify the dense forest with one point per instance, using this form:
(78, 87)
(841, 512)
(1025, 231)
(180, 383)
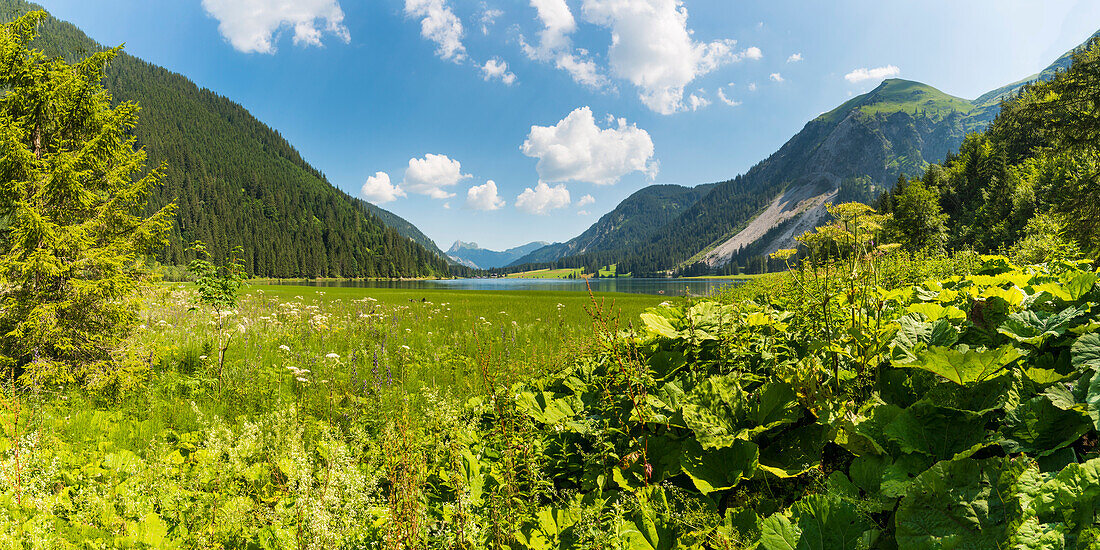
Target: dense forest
(237, 182)
(1031, 180)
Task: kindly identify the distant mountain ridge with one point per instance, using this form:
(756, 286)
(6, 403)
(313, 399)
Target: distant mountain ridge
(471, 255)
(852, 152)
(236, 181)
(632, 221)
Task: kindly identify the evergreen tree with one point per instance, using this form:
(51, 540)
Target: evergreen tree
(72, 192)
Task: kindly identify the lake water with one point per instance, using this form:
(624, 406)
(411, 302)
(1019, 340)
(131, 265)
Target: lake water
(667, 287)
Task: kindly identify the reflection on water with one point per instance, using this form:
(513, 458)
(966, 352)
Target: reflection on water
(669, 287)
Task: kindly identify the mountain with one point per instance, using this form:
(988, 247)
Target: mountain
(851, 153)
(236, 181)
(631, 222)
(471, 255)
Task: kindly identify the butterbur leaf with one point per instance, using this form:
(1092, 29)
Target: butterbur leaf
(1092, 400)
(938, 432)
(935, 312)
(719, 469)
(1072, 496)
(1034, 328)
(545, 408)
(1086, 352)
(964, 367)
(1080, 284)
(719, 411)
(817, 522)
(1038, 426)
(794, 452)
(659, 324)
(964, 504)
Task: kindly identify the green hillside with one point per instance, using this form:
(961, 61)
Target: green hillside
(901, 96)
(631, 222)
(236, 181)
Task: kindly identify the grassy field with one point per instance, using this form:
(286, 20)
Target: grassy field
(548, 274)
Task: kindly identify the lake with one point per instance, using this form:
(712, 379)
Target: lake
(667, 287)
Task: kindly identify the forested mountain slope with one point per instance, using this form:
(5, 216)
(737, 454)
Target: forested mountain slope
(236, 181)
(631, 222)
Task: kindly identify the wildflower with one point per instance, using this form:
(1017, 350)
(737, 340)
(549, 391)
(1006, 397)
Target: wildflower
(202, 358)
(333, 356)
(284, 347)
(404, 347)
(240, 328)
(303, 380)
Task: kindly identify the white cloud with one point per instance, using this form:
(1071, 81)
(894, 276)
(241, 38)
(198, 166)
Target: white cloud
(429, 175)
(795, 58)
(877, 73)
(725, 99)
(752, 86)
(379, 190)
(696, 102)
(484, 197)
(497, 68)
(585, 201)
(252, 26)
(776, 77)
(576, 149)
(752, 53)
(555, 45)
(440, 25)
(488, 18)
(583, 213)
(542, 199)
(652, 47)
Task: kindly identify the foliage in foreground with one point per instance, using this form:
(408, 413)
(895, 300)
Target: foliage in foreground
(72, 189)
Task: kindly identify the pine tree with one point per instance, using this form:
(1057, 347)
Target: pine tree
(73, 241)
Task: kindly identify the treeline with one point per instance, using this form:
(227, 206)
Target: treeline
(238, 182)
(1029, 183)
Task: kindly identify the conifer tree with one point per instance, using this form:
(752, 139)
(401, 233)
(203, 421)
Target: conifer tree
(73, 240)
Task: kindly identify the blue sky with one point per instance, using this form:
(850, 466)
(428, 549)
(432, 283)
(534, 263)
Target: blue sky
(566, 106)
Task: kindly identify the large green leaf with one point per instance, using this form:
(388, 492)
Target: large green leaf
(545, 407)
(795, 451)
(817, 522)
(1034, 328)
(719, 469)
(938, 432)
(863, 434)
(964, 366)
(1039, 426)
(720, 411)
(1086, 352)
(965, 504)
(1072, 497)
(998, 392)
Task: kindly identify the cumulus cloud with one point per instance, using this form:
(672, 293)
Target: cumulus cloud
(752, 86)
(439, 24)
(555, 45)
(652, 47)
(877, 73)
(488, 18)
(498, 69)
(484, 197)
(429, 175)
(252, 26)
(795, 58)
(776, 77)
(542, 199)
(379, 190)
(585, 201)
(696, 102)
(725, 99)
(576, 149)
